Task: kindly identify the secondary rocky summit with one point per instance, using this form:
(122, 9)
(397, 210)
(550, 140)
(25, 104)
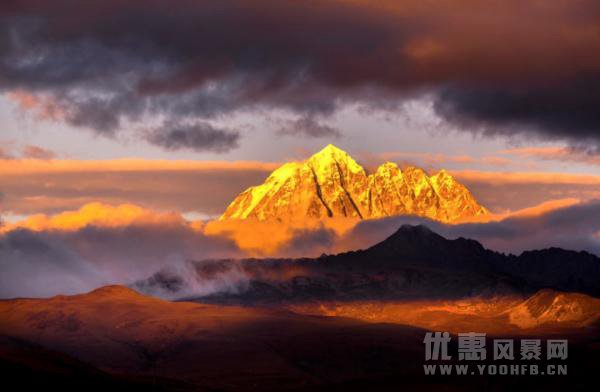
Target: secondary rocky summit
(331, 184)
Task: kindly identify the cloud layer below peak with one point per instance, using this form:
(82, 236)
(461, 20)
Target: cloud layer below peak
(99, 244)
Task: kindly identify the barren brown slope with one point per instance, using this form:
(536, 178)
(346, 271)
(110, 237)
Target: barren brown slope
(129, 336)
(122, 332)
(547, 311)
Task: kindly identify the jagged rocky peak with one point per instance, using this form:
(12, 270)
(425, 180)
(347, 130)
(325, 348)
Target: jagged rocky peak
(332, 184)
(331, 159)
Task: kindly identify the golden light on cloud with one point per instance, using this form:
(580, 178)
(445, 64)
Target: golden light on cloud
(537, 210)
(43, 108)
(564, 154)
(260, 238)
(33, 166)
(253, 237)
(504, 178)
(29, 186)
(437, 159)
(95, 214)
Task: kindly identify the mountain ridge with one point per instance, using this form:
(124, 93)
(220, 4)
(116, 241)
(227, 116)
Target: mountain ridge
(332, 184)
(413, 262)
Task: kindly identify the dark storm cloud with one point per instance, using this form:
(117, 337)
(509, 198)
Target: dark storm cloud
(567, 110)
(197, 137)
(516, 67)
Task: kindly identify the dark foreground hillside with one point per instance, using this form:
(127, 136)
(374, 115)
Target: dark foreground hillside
(116, 338)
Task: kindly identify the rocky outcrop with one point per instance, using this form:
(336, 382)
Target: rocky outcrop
(332, 184)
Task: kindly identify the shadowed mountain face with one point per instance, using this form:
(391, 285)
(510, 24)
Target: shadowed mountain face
(553, 267)
(332, 184)
(414, 262)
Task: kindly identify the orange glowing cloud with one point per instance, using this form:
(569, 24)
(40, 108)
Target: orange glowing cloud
(437, 159)
(267, 238)
(274, 238)
(255, 238)
(508, 178)
(205, 188)
(564, 154)
(528, 212)
(30, 186)
(543, 208)
(35, 166)
(97, 214)
(261, 238)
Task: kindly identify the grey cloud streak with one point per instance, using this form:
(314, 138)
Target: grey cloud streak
(197, 137)
(308, 127)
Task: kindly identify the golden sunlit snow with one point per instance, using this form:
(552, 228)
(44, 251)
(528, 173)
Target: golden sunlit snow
(331, 184)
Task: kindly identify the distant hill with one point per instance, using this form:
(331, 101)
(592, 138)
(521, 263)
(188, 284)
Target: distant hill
(414, 262)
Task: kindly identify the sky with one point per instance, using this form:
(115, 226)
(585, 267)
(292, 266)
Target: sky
(178, 108)
(207, 80)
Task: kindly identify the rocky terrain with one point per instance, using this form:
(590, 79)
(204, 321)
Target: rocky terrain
(114, 337)
(332, 184)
